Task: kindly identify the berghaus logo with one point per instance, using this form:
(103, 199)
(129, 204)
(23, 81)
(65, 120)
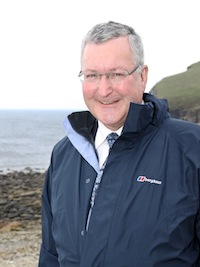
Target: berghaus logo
(143, 179)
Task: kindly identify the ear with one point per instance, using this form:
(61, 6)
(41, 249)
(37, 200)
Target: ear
(144, 76)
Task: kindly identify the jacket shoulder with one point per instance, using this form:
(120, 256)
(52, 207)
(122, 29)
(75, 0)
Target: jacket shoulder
(186, 134)
(61, 145)
(178, 126)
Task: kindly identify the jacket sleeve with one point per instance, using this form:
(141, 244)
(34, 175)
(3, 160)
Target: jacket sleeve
(48, 254)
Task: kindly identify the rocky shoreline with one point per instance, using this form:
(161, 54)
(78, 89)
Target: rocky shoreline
(20, 217)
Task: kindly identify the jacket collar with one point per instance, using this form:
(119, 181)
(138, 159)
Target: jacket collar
(140, 120)
(152, 112)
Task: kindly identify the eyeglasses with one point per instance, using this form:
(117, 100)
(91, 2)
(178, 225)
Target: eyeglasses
(113, 76)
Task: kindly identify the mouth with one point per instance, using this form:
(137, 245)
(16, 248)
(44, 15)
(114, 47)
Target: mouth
(109, 102)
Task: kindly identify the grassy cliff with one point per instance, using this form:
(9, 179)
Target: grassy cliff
(183, 93)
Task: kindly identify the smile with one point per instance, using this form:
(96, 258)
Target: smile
(108, 102)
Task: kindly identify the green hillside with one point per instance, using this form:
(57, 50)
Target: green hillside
(182, 90)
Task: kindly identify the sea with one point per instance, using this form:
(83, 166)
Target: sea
(27, 138)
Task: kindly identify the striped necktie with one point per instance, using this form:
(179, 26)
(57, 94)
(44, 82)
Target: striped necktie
(111, 138)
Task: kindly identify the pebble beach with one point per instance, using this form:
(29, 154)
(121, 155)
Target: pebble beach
(20, 217)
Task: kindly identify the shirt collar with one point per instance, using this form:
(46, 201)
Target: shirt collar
(103, 132)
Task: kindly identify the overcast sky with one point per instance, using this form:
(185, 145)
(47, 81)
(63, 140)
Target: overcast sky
(40, 45)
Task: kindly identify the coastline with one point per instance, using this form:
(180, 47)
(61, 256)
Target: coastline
(22, 169)
(20, 216)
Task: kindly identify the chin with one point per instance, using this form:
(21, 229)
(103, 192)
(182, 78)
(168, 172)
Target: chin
(113, 124)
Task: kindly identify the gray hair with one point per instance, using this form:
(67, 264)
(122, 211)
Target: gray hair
(106, 31)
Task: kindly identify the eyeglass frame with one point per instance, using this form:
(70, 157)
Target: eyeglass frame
(108, 73)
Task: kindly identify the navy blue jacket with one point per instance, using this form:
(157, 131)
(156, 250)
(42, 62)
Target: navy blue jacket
(146, 212)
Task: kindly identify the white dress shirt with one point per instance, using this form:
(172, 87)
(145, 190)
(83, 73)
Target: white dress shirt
(101, 143)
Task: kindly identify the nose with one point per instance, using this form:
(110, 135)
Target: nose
(104, 86)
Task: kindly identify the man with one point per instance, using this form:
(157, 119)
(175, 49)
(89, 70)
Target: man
(137, 204)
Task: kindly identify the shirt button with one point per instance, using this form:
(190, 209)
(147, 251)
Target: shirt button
(82, 232)
(87, 181)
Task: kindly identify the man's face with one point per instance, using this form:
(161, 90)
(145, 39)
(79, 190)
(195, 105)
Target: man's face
(109, 101)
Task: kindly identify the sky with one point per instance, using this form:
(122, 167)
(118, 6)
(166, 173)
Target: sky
(40, 43)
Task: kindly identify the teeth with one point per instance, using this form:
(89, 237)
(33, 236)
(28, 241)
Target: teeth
(107, 103)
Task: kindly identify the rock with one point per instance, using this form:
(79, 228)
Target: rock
(20, 196)
(10, 226)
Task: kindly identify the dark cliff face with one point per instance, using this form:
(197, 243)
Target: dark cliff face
(192, 114)
(183, 93)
